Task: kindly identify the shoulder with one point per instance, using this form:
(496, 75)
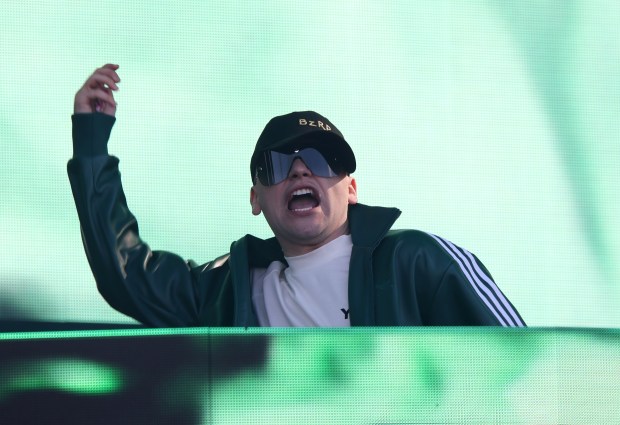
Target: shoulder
(432, 253)
(412, 245)
(414, 240)
(218, 262)
(418, 239)
(248, 250)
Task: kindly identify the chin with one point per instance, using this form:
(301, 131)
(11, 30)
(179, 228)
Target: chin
(309, 235)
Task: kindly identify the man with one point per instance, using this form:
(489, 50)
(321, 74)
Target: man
(332, 262)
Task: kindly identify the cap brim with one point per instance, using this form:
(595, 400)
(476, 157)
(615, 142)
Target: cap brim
(324, 142)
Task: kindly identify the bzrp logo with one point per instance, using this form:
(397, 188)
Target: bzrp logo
(319, 124)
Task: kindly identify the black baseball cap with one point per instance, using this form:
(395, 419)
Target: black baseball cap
(298, 130)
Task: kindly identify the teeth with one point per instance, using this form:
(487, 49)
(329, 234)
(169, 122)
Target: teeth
(300, 192)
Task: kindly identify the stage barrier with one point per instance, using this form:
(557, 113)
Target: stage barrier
(311, 376)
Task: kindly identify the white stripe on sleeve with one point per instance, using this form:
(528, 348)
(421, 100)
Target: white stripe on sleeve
(482, 283)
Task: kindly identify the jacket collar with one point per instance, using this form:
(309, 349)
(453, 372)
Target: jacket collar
(367, 224)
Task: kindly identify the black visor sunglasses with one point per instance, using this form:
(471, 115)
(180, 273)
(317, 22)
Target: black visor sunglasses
(274, 167)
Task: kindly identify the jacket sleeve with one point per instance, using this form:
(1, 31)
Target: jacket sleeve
(467, 294)
(155, 288)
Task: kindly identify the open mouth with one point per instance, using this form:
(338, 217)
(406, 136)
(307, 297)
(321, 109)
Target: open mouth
(302, 200)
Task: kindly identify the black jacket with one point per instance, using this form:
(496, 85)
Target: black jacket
(396, 277)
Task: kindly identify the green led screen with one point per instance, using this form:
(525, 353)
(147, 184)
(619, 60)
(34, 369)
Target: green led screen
(363, 376)
(491, 123)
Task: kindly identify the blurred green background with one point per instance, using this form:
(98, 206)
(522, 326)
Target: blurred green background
(491, 123)
(429, 375)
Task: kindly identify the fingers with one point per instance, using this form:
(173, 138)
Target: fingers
(96, 93)
(101, 79)
(106, 75)
(102, 100)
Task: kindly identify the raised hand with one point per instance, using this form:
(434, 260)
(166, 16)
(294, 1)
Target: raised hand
(96, 95)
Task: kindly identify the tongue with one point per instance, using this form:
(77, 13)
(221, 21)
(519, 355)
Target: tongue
(302, 203)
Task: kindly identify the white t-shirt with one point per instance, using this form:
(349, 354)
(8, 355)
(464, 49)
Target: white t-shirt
(311, 292)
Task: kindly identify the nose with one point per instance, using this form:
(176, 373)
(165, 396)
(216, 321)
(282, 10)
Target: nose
(299, 169)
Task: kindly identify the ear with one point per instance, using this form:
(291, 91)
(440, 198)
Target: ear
(254, 201)
(352, 191)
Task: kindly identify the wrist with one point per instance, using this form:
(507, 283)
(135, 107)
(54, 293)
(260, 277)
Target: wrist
(91, 132)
